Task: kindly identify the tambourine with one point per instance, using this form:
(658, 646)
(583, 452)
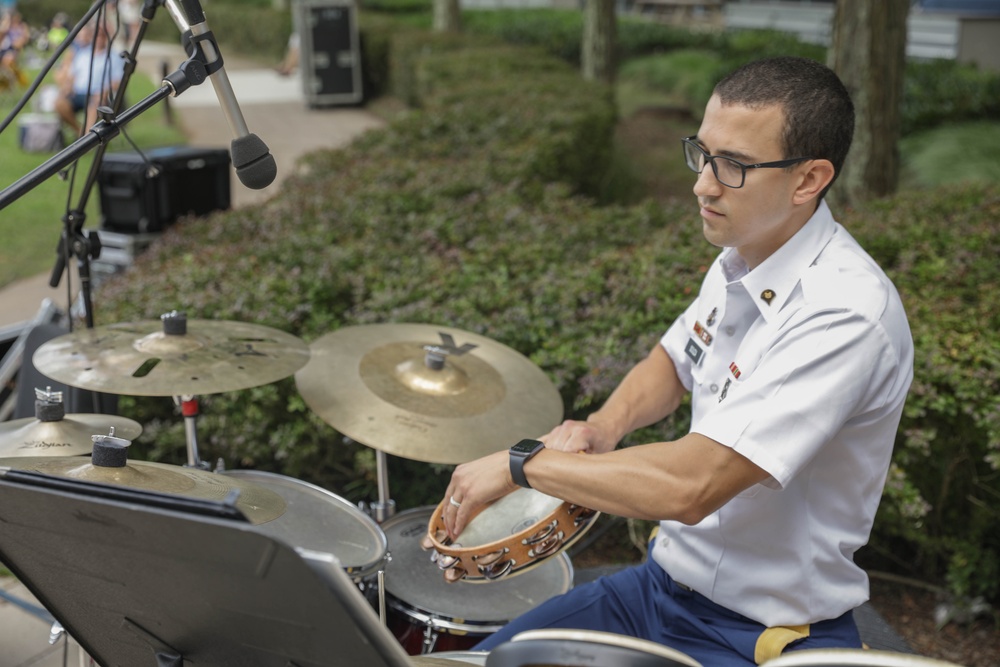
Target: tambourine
(514, 534)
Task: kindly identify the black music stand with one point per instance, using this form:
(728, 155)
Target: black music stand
(137, 581)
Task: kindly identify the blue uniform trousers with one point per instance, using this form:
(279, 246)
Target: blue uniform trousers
(644, 602)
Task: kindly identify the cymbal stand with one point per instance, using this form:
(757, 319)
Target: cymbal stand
(189, 410)
(386, 506)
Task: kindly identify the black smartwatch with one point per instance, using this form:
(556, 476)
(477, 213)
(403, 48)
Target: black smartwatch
(520, 454)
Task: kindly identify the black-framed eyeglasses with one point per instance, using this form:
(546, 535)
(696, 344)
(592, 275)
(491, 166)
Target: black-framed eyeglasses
(730, 172)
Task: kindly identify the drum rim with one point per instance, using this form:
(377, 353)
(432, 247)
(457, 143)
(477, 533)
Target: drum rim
(362, 570)
(605, 639)
(440, 624)
(858, 657)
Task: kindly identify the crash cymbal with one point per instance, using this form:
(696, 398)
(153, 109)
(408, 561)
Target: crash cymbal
(427, 392)
(69, 436)
(257, 503)
(143, 359)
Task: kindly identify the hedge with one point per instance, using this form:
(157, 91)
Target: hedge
(471, 212)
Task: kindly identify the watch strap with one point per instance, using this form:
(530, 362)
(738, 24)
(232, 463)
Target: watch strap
(518, 457)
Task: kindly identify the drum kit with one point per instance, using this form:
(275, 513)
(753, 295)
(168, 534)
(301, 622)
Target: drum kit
(429, 393)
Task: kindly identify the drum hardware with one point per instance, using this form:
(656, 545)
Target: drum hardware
(174, 357)
(381, 599)
(385, 507)
(425, 392)
(512, 535)
(189, 411)
(51, 432)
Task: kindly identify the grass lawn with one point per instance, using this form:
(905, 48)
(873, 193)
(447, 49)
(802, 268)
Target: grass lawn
(31, 226)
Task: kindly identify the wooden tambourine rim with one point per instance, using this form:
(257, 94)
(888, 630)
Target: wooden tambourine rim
(565, 516)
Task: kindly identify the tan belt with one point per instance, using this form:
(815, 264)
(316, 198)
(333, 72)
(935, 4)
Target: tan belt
(773, 641)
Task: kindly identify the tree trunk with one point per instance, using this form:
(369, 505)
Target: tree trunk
(868, 52)
(600, 41)
(447, 16)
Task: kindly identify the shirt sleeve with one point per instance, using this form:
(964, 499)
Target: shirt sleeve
(674, 341)
(820, 371)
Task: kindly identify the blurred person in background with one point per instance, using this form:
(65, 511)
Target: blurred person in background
(89, 77)
(14, 36)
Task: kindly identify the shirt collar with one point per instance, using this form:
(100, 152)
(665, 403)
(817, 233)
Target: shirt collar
(772, 282)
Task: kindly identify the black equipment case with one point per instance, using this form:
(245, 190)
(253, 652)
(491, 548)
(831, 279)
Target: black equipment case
(330, 52)
(185, 181)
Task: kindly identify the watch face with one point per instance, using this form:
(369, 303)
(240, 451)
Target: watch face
(525, 446)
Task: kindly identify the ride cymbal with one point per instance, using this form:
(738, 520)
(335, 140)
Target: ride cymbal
(427, 392)
(68, 436)
(152, 359)
(257, 503)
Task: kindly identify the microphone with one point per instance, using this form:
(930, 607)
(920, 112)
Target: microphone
(252, 159)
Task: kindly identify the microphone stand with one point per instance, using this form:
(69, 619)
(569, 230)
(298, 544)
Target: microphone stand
(73, 242)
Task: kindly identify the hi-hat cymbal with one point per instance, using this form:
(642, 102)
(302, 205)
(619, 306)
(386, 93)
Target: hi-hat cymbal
(141, 359)
(427, 392)
(69, 436)
(257, 503)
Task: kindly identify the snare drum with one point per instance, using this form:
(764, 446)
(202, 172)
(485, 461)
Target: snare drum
(425, 613)
(319, 520)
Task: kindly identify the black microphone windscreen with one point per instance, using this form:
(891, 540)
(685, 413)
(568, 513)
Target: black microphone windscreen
(253, 162)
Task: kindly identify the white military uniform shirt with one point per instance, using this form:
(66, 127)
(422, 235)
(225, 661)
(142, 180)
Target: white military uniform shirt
(802, 366)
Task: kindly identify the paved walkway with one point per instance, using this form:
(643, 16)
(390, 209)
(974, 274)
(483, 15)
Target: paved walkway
(275, 110)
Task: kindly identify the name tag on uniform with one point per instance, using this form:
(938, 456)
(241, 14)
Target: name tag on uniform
(693, 350)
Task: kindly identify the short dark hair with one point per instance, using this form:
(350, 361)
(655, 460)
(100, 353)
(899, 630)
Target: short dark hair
(819, 114)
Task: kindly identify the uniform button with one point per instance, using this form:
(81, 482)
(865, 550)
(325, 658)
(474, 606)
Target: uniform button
(730, 331)
(713, 388)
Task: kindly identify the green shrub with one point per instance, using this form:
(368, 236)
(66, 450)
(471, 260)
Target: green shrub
(943, 497)
(944, 91)
(689, 76)
(951, 154)
(560, 31)
(467, 213)
(399, 7)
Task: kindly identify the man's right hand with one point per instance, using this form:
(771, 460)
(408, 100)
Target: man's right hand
(579, 436)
